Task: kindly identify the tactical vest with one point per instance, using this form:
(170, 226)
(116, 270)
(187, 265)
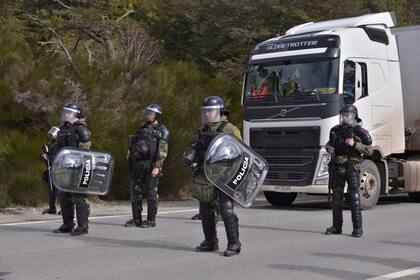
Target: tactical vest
(338, 140)
(66, 137)
(205, 136)
(147, 142)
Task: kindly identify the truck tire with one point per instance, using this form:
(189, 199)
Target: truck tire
(370, 184)
(414, 196)
(279, 199)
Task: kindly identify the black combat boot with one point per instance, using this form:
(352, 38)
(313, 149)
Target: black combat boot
(133, 223)
(64, 228)
(67, 213)
(82, 214)
(337, 211)
(356, 214)
(196, 217)
(208, 221)
(152, 205)
(232, 232)
(208, 246)
(80, 230)
(148, 224)
(52, 211)
(136, 209)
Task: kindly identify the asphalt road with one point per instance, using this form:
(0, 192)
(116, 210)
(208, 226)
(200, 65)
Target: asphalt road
(276, 244)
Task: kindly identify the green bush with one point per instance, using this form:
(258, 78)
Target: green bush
(21, 169)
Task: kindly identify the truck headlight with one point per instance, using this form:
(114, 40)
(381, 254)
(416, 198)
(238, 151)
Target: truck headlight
(322, 181)
(323, 168)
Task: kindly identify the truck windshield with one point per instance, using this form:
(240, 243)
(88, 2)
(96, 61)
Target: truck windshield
(267, 84)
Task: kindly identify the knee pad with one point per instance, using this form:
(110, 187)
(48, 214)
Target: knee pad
(226, 210)
(353, 178)
(353, 198)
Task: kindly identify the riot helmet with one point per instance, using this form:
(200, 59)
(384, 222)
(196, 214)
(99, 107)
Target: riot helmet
(348, 114)
(212, 110)
(153, 113)
(71, 113)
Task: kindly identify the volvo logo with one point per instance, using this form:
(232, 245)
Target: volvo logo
(283, 112)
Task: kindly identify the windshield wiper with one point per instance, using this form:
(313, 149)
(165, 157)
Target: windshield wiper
(310, 93)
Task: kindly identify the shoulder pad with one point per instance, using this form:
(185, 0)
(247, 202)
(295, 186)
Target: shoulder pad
(164, 132)
(227, 126)
(232, 129)
(141, 127)
(83, 133)
(364, 135)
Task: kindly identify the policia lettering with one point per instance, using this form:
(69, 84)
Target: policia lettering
(87, 174)
(348, 142)
(241, 173)
(73, 133)
(147, 151)
(214, 120)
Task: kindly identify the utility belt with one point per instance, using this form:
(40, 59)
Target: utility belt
(350, 158)
(349, 164)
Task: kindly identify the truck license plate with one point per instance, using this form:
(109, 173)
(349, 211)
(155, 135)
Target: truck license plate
(282, 189)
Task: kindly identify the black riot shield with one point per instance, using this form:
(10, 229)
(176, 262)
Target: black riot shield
(235, 169)
(81, 171)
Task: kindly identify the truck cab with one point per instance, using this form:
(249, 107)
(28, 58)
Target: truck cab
(294, 88)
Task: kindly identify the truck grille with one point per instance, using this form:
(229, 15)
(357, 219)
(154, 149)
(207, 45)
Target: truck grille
(291, 153)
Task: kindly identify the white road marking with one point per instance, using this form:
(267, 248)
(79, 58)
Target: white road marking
(398, 274)
(94, 218)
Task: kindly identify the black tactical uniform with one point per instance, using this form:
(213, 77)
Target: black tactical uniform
(148, 150)
(208, 196)
(344, 168)
(73, 134)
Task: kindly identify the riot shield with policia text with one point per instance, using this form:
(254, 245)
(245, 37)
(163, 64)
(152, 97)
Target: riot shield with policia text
(81, 171)
(235, 169)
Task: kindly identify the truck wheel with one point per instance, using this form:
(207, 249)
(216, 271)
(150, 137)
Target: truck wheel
(414, 196)
(280, 199)
(370, 184)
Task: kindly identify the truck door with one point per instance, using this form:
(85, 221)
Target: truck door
(355, 89)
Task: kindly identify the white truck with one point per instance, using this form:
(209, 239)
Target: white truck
(296, 84)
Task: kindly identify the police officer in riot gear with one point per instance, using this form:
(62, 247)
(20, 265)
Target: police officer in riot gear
(214, 120)
(73, 133)
(147, 152)
(52, 190)
(348, 142)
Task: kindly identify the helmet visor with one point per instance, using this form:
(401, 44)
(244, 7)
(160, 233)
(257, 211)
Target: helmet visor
(69, 116)
(150, 115)
(210, 115)
(348, 117)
